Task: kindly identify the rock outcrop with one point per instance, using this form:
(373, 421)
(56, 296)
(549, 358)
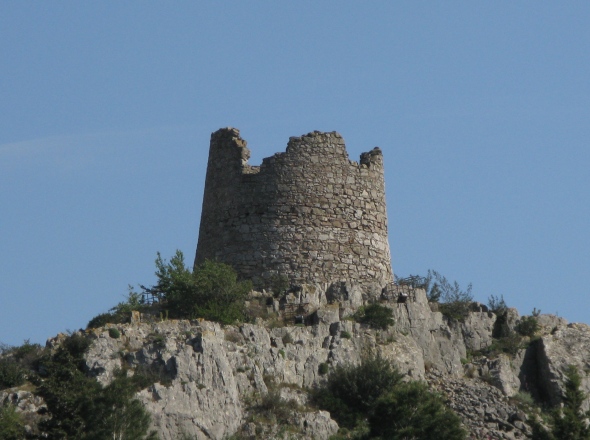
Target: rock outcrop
(209, 375)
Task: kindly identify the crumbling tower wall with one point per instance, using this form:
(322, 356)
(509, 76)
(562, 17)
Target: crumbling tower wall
(309, 213)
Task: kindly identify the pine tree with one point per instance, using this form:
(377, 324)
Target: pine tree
(570, 422)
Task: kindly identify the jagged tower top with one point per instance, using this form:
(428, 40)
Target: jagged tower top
(309, 213)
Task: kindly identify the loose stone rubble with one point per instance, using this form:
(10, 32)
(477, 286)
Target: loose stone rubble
(485, 411)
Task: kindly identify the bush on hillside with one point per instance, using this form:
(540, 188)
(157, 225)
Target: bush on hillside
(375, 315)
(372, 400)
(12, 426)
(528, 326)
(411, 411)
(351, 391)
(570, 421)
(79, 406)
(454, 302)
(12, 374)
(121, 313)
(17, 362)
(212, 291)
(497, 304)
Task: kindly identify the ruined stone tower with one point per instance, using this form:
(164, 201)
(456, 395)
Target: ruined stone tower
(309, 213)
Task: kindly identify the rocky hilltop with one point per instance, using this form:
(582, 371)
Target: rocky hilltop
(210, 374)
(315, 217)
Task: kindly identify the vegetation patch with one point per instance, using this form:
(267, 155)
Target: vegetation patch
(371, 400)
(569, 421)
(212, 291)
(528, 326)
(12, 425)
(114, 333)
(454, 303)
(12, 374)
(375, 315)
(157, 339)
(78, 405)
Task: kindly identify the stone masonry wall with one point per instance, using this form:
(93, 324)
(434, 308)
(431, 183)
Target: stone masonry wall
(309, 213)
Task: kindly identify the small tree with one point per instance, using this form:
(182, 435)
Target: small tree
(568, 422)
(375, 315)
(497, 304)
(121, 313)
(351, 391)
(80, 407)
(12, 374)
(528, 326)
(454, 302)
(212, 291)
(115, 413)
(372, 399)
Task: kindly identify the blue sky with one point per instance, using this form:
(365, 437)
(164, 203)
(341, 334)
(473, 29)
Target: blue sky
(482, 110)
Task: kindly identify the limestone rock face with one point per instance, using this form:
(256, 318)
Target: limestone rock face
(569, 345)
(209, 375)
(440, 344)
(28, 403)
(477, 330)
(503, 375)
(208, 371)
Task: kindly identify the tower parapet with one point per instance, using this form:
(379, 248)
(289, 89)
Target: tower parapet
(309, 213)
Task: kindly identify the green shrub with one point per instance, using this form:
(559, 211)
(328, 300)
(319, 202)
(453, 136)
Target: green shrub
(528, 326)
(523, 398)
(569, 421)
(79, 406)
(509, 344)
(212, 291)
(375, 315)
(121, 313)
(18, 363)
(346, 335)
(146, 375)
(12, 426)
(114, 333)
(454, 302)
(351, 391)
(115, 413)
(372, 401)
(411, 411)
(501, 328)
(323, 368)
(497, 304)
(103, 319)
(158, 339)
(76, 345)
(12, 374)
(26, 351)
(276, 409)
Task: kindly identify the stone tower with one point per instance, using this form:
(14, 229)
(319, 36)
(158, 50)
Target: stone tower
(309, 213)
